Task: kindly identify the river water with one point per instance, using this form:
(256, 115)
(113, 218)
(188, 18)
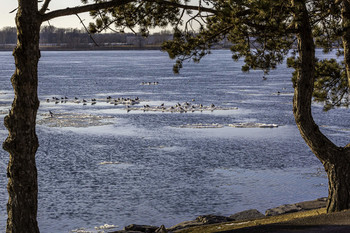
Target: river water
(101, 163)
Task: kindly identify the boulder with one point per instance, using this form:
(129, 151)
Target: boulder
(141, 228)
(283, 209)
(161, 229)
(124, 231)
(184, 225)
(247, 215)
(301, 206)
(211, 219)
(311, 205)
(199, 221)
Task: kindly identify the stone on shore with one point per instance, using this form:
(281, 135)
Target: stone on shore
(133, 228)
(199, 221)
(311, 205)
(211, 219)
(185, 224)
(247, 215)
(161, 229)
(301, 206)
(283, 209)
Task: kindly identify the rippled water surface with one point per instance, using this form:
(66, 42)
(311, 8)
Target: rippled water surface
(102, 164)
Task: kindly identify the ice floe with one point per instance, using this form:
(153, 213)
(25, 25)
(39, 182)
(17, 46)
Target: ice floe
(253, 125)
(106, 226)
(201, 126)
(236, 125)
(109, 162)
(73, 120)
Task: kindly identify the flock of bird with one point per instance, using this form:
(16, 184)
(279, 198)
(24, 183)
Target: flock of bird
(93, 101)
(182, 108)
(133, 104)
(149, 83)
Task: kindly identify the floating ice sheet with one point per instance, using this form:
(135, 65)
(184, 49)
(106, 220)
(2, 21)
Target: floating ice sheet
(253, 125)
(73, 120)
(237, 125)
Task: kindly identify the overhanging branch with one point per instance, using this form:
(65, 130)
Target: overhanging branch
(113, 3)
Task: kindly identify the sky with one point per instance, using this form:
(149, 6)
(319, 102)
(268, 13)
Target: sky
(7, 19)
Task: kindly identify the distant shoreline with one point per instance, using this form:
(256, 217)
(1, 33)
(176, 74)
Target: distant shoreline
(96, 48)
(57, 48)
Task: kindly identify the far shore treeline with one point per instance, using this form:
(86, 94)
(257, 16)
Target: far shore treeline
(52, 38)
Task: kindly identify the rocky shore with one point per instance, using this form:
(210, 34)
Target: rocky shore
(248, 215)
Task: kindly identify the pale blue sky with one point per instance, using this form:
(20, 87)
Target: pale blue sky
(7, 19)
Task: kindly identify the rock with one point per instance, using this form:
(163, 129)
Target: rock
(283, 209)
(210, 219)
(301, 206)
(184, 225)
(124, 231)
(161, 229)
(141, 228)
(311, 205)
(247, 215)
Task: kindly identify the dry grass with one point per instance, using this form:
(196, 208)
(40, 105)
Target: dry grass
(241, 224)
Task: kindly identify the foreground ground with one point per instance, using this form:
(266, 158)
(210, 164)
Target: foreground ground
(316, 221)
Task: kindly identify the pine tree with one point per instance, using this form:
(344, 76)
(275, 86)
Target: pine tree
(263, 32)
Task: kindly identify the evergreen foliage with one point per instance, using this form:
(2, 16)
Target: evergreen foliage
(262, 32)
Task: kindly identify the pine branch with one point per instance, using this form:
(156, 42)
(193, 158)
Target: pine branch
(114, 3)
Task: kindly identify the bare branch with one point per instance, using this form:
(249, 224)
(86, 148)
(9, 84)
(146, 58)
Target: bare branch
(44, 7)
(13, 10)
(81, 21)
(82, 9)
(115, 3)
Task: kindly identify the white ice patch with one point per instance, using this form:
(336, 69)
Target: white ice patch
(105, 226)
(202, 126)
(253, 125)
(73, 120)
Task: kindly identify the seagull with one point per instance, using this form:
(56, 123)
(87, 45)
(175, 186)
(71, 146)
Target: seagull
(51, 114)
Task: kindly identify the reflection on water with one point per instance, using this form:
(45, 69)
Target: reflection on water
(102, 164)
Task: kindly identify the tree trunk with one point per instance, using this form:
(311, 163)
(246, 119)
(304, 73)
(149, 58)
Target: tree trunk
(345, 13)
(22, 142)
(339, 183)
(335, 159)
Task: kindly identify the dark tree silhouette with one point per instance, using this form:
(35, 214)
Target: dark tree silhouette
(263, 32)
(22, 141)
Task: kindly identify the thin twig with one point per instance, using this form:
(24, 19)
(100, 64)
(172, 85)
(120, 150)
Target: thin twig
(13, 10)
(81, 21)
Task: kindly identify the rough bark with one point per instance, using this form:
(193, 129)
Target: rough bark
(339, 183)
(346, 36)
(335, 159)
(22, 142)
